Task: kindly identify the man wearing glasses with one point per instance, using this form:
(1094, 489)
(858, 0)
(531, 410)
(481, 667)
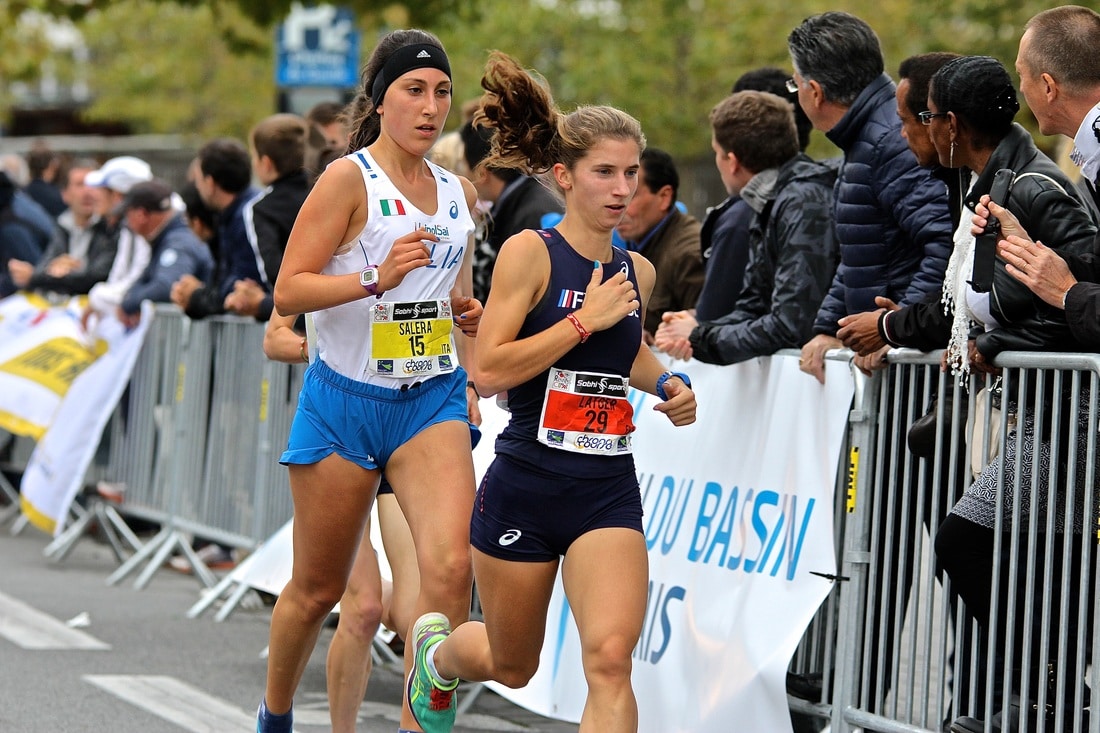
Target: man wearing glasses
(891, 216)
(926, 116)
(893, 227)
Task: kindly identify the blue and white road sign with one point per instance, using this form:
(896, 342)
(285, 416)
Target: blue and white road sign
(317, 46)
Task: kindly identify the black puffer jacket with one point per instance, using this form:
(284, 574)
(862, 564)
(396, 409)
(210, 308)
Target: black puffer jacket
(792, 258)
(1051, 209)
(892, 221)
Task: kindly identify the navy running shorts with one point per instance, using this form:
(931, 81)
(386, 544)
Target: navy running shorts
(527, 515)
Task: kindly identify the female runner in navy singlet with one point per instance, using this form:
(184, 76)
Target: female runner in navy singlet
(562, 335)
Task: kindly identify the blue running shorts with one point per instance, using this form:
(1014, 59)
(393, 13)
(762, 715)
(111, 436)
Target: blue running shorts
(524, 514)
(385, 487)
(363, 423)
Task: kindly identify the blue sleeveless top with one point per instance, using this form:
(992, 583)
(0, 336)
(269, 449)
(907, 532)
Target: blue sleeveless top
(611, 351)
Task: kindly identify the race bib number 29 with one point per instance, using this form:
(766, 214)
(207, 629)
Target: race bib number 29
(585, 412)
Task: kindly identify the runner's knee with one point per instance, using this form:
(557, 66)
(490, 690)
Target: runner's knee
(609, 660)
(360, 614)
(513, 672)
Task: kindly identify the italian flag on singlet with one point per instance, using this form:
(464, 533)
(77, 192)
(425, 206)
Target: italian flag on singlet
(392, 207)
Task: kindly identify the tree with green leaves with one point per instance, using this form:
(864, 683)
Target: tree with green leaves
(206, 68)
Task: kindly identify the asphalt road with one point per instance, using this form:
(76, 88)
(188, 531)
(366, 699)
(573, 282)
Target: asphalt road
(77, 655)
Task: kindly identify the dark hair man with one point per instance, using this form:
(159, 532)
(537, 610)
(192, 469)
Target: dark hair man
(666, 236)
(792, 249)
(224, 181)
(892, 220)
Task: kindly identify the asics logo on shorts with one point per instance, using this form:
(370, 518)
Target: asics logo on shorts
(509, 537)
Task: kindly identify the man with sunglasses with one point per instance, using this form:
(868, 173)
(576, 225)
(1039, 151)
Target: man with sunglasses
(892, 220)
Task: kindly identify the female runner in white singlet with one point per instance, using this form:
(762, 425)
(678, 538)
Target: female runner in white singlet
(374, 255)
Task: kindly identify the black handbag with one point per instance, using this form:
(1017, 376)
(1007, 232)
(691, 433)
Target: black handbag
(921, 437)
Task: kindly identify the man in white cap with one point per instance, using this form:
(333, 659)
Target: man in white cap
(120, 174)
(114, 179)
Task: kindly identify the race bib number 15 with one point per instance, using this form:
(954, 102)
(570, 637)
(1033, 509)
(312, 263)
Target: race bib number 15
(412, 338)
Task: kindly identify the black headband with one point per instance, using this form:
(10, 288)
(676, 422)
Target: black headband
(404, 60)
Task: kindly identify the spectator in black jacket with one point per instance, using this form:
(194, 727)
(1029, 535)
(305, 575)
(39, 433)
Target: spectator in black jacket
(224, 181)
(724, 237)
(83, 247)
(792, 248)
(891, 218)
(278, 160)
(518, 202)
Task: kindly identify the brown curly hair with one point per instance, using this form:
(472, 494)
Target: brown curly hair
(530, 133)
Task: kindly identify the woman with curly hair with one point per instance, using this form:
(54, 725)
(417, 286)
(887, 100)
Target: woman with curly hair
(562, 335)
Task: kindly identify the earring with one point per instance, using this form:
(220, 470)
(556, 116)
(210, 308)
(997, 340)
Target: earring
(951, 156)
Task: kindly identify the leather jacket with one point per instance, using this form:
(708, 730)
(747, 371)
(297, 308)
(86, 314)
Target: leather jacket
(1051, 209)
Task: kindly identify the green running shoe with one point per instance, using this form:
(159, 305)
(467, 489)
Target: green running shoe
(433, 706)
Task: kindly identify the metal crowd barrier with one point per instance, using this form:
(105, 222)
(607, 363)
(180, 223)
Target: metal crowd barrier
(909, 654)
(193, 446)
(136, 438)
(17, 450)
(196, 437)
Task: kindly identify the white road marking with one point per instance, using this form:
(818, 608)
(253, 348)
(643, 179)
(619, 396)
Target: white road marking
(29, 628)
(177, 702)
(314, 712)
(192, 709)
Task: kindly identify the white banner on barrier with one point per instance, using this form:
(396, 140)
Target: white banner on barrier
(60, 385)
(738, 515)
(41, 352)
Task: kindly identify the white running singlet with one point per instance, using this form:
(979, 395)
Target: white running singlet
(406, 352)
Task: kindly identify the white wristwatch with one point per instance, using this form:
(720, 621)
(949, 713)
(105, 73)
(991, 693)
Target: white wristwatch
(368, 278)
